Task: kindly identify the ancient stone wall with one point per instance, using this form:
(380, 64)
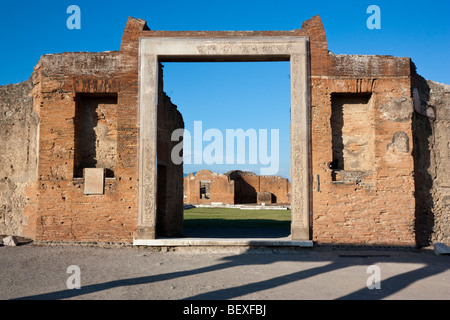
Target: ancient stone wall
(432, 153)
(95, 133)
(278, 187)
(248, 185)
(379, 169)
(18, 154)
(169, 174)
(235, 187)
(70, 89)
(206, 187)
(362, 151)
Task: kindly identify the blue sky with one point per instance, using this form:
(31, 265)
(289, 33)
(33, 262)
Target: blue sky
(250, 95)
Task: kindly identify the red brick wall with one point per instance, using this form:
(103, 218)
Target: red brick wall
(60, 209)
(169, 189)
(278, 186)
(376, 209)
(248, 184)
(221, 188)
(236, 187)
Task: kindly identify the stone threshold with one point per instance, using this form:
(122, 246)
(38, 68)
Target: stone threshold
(232, 242)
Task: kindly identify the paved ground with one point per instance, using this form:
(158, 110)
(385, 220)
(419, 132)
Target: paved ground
(40, 272)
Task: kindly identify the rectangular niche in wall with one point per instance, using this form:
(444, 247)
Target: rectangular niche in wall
(95, 133)
(205, 187)
(353, 133)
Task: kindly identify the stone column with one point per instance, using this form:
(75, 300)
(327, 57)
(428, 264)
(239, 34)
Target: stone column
(300, 145)
(148, 97)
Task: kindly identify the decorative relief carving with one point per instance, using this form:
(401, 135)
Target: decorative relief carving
(149, 205)
(228, 48)
(299, 141)
(148, 123)
(297, 186)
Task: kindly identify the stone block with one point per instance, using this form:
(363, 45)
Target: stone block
(264, 197)
(217, 204)
(94, 181)
(441, 249)
(10, 241)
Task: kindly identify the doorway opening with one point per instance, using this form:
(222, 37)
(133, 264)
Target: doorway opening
(229, 47)
(239, 188)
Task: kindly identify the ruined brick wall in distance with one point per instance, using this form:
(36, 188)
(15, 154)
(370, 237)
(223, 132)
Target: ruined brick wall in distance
(249, 184)
(278, 187)
(235, 187)
(221, 188)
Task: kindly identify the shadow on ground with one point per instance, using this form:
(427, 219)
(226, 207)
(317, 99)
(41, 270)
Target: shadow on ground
(432, 265)
(282, 231)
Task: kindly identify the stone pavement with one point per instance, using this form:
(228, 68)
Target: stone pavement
(221, 273)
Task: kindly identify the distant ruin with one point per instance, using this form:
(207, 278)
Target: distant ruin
(369, 143)
(235, 187)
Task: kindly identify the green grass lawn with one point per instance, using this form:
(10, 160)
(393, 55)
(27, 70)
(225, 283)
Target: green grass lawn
(236, 218)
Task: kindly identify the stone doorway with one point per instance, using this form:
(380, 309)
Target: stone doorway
(152, 51)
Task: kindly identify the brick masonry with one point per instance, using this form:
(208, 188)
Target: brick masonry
(206, 187)
(235, 187)
(372, 200)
